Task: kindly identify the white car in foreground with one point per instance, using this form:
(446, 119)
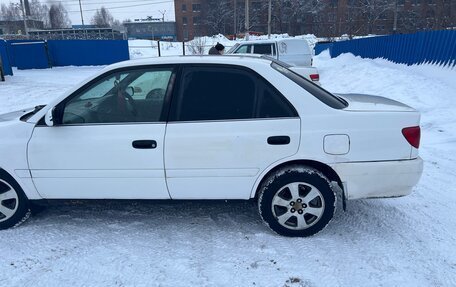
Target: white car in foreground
(204, 127)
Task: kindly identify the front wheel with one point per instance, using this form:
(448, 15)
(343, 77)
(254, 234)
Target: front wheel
(296, 201)
(14, 207)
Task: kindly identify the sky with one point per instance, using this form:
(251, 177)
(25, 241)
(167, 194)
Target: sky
(120, 9)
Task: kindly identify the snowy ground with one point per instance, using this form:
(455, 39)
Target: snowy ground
(408, 241)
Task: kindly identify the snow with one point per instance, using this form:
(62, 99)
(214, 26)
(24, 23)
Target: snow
(407, 241)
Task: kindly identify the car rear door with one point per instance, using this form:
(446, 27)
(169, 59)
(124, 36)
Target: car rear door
(109, 144)
(227, 124)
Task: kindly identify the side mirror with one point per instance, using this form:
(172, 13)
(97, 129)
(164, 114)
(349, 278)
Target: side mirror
(49, 117)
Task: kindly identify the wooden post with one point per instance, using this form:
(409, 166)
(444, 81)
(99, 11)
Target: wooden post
(183, 48)
(158, 45)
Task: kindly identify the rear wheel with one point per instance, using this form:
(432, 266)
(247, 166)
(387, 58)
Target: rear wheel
(14, 208)
(296, 201)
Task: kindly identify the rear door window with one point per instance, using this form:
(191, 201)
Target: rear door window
(213, 93)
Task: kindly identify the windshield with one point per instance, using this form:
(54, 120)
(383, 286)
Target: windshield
(230, 51)
(318, 92)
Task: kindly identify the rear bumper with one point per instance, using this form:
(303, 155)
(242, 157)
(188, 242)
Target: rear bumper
(379, 179)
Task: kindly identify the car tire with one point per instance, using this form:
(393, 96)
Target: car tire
(14, 205)
(296, 201)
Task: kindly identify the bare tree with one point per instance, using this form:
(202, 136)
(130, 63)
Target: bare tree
(58, 17)
(40, 12)
(288, 15)
(373, 10)
(102, 18)
(218, 15)
(11, 12)
(197, 46)
(409, 21)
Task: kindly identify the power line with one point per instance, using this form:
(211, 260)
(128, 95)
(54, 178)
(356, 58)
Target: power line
(71, 2)
(86, 3)
(121, 7)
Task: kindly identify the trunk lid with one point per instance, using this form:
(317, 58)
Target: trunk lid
(361, 102)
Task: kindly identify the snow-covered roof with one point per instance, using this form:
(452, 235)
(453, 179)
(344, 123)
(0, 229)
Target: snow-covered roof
(272, 40)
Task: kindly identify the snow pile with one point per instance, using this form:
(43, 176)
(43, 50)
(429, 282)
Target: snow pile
(407, 241)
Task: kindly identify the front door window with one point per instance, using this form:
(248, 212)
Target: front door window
(130, 96)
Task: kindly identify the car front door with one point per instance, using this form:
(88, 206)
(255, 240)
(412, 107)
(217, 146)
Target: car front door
(108, 142)
(227, 124)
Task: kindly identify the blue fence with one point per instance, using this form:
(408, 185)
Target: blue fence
(87, 52)
(5, 58)
(437, 47)
(54, 53)
(30, 55)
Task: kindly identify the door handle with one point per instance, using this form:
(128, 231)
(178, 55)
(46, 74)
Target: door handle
(144, 144)
(279, 140)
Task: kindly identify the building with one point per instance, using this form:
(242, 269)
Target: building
(151, 29)
(189, 17)
(327, 18)
(15, 30)
(15, 27)
(350, 17)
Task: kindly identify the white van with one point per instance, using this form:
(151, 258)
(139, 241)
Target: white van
(295, 52)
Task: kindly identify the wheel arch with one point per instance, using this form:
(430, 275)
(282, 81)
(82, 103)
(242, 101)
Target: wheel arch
(328, 171)
(25, 184)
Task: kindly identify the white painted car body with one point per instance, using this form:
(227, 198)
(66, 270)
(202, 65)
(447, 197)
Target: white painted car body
(361, 144)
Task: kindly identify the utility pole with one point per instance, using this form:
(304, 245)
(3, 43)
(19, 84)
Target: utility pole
(235, 19)
(82, 20)
(163, 14)
(80, 9)
(25, 18)
(395, 18)
(247, 25)
(269, 19)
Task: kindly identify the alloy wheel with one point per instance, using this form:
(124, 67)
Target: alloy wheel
(298, 205)
(9, 201)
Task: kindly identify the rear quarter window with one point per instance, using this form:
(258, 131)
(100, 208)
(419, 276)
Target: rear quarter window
(315, 90)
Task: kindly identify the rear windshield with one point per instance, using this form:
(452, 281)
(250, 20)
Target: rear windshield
(315, 90)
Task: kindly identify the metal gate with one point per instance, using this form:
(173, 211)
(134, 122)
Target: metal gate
(30, 55)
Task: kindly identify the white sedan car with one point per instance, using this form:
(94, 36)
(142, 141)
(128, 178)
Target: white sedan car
(225, 127)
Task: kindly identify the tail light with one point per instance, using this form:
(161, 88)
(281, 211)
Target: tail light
(412, 135)
(315, 77)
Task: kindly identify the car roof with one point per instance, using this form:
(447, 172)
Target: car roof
(194, 59)
(267, 41)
